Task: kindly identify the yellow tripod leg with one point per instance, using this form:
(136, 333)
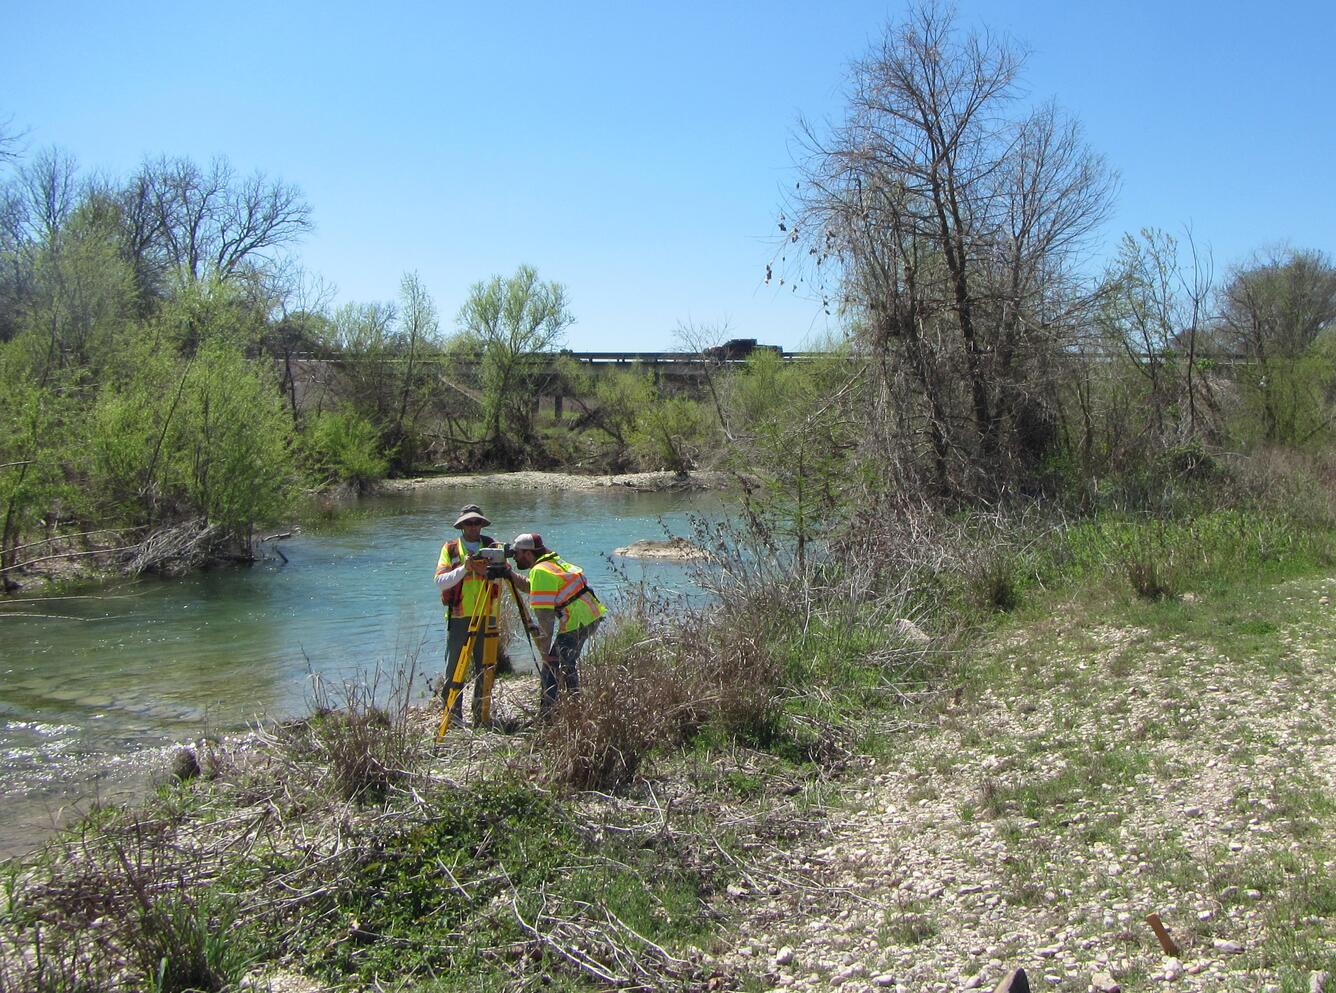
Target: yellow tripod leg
(490, 643)
(456, 684)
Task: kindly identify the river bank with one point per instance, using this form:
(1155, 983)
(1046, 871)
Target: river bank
(102, 678)
(89, 557)
(1082, 768)
(636, 482)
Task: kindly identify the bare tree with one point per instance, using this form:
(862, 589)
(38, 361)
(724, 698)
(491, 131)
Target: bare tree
(954, 225)
(207, 223)
(50, 190)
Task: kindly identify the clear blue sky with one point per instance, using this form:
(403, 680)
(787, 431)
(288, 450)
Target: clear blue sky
(638, 152)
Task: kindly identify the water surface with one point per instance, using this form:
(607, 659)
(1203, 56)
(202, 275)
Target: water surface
(103, 682)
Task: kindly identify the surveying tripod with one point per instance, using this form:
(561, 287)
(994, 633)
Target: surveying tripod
(483, 623)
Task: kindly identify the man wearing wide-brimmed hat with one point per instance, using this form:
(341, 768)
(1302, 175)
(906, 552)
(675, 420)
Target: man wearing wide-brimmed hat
(469, 597)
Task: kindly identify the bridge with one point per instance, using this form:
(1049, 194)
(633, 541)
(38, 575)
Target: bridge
(313, 376)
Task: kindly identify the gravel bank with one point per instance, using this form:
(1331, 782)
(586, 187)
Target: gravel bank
(651, 482)
(1118, 773)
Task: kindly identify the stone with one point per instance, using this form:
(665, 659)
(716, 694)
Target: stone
(1016, 982)
(1319, 982)
(1104, 982)
(784, 956)
(672, 550)
(1228, 947)
(911, 631)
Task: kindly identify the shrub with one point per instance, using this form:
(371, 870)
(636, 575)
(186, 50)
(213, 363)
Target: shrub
(629, 702)
(994, 581)
(362, 744)
(188, 943)
(344, 447)
(1150, 579)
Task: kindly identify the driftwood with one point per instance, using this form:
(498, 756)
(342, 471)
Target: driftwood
(173, 550)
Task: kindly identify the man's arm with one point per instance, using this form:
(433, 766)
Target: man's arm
(448, 578)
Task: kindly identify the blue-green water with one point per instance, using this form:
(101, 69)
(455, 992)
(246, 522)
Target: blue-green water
(97, 687)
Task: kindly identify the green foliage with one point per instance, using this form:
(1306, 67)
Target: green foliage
(621, 396)
(235, 441)
(672, 433)
(1287, 401)
(81, 291)
(343, 447)
(196, 429)
(504, 323)
(794, 433)
(432, 898)
(191, 944)
(36, 419)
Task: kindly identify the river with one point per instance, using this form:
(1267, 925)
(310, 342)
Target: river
(101, 685)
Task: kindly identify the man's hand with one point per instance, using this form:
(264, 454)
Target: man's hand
(476, 567)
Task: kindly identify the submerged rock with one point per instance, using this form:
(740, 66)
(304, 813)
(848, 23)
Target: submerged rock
(672, 550)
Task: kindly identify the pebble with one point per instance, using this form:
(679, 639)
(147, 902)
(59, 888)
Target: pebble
(1229, 947)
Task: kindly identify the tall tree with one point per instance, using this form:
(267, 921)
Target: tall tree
(506, 322)
(954, 224)
(209, 223)
(1274, 312)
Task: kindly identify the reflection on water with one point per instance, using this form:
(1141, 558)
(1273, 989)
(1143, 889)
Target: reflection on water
(97, 682)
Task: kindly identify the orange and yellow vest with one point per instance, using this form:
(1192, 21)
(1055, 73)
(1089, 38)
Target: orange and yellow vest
(461, 600)
(555, 584)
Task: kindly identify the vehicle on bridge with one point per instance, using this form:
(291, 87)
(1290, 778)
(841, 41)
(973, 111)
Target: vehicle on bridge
(738, 348)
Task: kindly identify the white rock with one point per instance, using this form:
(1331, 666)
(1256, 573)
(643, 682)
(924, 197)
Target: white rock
(1103, 982)
(1229, 947)
(784, 956)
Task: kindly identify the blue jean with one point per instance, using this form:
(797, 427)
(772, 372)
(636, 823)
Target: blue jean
(564, 673)
(457, 633)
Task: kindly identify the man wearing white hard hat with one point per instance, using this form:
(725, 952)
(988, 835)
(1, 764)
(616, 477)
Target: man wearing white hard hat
(566, 610)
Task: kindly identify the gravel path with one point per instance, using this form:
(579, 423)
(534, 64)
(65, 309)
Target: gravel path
(1115, 773)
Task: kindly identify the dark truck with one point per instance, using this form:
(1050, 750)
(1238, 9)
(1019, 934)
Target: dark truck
(738, 348)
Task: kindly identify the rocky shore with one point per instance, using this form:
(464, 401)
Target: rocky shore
(646, 482)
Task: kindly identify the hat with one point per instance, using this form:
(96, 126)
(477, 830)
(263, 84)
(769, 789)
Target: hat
(469, 513)
(529, 541)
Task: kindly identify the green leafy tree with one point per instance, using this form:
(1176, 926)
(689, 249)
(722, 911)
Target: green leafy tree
(672, 433)
(234, 438)
(507, 323)
(342, 446)
(795, 439)
(1277, 313)
(35, 417)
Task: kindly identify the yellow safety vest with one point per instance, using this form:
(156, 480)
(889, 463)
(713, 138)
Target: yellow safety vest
(555, 584)
(462, 600)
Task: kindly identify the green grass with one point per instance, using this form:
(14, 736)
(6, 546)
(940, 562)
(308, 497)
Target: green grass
(445, 899)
